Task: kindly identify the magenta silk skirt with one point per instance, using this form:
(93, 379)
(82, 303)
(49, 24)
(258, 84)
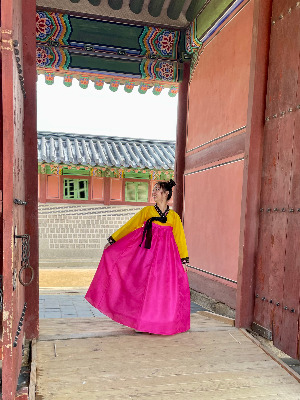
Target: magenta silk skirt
(145, 289)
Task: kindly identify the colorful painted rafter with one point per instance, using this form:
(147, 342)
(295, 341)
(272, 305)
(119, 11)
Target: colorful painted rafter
(100, 172)
(195, 36)
(224, 16)
(161, 42)
(114, 82)
(53, 27)
(87, 49)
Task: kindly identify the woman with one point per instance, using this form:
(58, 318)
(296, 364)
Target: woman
(140, 281)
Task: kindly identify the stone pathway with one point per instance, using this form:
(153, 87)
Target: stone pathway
(75, 306)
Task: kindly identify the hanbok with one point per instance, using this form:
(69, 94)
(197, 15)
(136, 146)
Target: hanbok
(140, 281)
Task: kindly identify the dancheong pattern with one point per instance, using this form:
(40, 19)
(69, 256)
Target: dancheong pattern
(162, 70)
(52, 57)
(159, 42)
(53, 27)
(55, 54)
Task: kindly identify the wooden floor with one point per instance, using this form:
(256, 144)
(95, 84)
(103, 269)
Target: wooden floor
(95, 358)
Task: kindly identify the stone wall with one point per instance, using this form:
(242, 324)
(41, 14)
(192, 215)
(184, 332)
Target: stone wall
(74, 235)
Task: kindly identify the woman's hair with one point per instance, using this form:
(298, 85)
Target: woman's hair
(167, 187)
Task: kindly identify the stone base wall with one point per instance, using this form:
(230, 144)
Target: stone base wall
(74, 235)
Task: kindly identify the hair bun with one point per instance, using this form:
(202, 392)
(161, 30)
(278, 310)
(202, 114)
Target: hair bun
(171, 183)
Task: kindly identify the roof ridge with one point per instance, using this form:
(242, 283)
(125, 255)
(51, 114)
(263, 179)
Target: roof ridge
(103, 137)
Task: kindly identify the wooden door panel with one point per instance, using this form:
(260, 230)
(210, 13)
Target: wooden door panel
(277, 270)
(261, 316)
(291, 281)
(281, 7)
(286, 340)
(276, 164)
(13, 187)
(283, 67)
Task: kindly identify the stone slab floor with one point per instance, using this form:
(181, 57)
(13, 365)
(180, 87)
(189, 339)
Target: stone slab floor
(96, 358)
(61, 304)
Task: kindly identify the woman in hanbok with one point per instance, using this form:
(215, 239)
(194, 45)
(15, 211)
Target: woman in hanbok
(141, 281)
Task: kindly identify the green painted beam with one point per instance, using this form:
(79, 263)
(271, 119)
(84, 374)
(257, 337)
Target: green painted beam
(115, 4)
(194, 8)
(210, 15)
(136, 6)
(98, 32)
(175, 8)
(155, 7)
(104, 64)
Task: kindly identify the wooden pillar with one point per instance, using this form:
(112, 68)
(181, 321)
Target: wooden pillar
(107, 184)
(181, 131)
(31, 163)
(43, 188)
(253, 161)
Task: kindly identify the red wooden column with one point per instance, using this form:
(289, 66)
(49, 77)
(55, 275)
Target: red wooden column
(253, 161)
(107, 185)
(31, 163)
(43, 188)
(181, 140)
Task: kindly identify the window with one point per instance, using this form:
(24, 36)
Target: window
(76, 189)
(136, 191)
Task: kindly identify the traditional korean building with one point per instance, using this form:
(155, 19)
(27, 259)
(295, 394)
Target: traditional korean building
(101, 169)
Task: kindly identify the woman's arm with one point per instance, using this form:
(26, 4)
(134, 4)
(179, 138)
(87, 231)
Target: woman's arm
(180, 239)
(135, 222)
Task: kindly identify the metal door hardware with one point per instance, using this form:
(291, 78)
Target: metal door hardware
(20, 324)
(25, 259)
(20, 202)
(278, 209)
(277, 303)
(15, 279)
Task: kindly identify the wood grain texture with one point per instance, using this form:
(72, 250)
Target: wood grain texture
(211, 361)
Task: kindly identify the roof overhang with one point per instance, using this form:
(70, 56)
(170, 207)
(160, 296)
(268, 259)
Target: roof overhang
(130, 42)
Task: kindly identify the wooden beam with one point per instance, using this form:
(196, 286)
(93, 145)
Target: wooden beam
(107, 183)
(31, 160)
(181, 140)
(227, 148)
(253, 161)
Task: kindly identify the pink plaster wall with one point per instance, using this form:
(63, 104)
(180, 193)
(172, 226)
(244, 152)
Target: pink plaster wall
(53, 187)
(212, 218)
(218, 104)
(97, 188)
(116, 189)
(218, 93)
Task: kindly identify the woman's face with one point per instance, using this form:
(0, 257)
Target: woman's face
(159, 194)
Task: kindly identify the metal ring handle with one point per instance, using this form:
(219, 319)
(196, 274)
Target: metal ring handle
(31, 278)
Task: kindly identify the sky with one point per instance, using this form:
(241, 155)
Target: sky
(103, 112)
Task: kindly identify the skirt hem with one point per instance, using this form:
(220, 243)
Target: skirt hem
(139, 326)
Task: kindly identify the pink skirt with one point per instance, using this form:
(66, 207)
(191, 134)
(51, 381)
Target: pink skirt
(144, 289)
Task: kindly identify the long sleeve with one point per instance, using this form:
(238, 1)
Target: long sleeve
(180, 239)
(135, 222)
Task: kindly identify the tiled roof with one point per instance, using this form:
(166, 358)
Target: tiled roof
(159, 12)
(105, 151)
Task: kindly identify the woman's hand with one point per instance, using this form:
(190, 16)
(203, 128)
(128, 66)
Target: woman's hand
(106, 246)
(185, 267)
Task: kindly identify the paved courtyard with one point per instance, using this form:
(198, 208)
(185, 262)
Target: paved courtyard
(62, 305)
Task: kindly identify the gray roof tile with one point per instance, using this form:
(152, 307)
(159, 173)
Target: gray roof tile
(105, 151)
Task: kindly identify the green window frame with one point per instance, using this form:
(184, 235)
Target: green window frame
(137, 191)
(75, 171)
(137, 175)
(76, 189)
